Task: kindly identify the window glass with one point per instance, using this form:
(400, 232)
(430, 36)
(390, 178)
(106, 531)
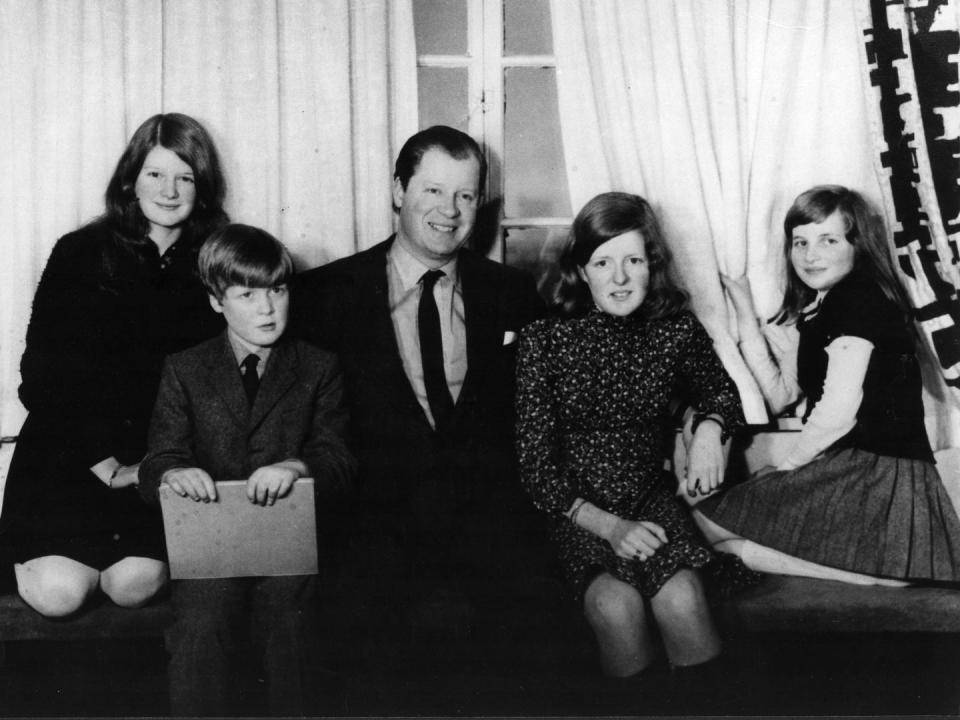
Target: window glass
(443, 97)
(526, 27)
(537, 251)
(440, 26)
(534, 176)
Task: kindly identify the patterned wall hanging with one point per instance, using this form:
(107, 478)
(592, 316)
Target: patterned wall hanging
(911, 63)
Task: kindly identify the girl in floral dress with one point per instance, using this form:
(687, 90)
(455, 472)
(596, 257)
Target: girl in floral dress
(594, 391)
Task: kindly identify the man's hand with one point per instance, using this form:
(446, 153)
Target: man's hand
(191, 482)
(271, 482)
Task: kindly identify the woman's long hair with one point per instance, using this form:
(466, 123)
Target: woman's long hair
(864, 229)
(603, 218)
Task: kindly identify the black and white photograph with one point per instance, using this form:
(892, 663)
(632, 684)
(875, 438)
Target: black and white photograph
(480, 358)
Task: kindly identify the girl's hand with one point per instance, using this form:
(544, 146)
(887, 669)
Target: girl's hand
(705, 460)
(636, 539)
(126, 476)
(739, 291)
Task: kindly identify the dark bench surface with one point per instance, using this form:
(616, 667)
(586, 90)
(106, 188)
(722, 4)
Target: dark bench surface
(776, 604)
(102, 619)
(791, 604)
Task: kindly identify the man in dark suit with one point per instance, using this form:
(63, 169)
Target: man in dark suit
(426, 332)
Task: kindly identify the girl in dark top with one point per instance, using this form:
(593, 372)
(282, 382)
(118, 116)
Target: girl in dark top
(594, 387)
(115, 297)
(858, 497)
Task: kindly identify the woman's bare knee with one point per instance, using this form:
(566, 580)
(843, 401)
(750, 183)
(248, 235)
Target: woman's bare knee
(54, 585)
(131, 582)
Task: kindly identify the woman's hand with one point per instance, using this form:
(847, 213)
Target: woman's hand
(126, 475)
(705, 459)
(636, 539)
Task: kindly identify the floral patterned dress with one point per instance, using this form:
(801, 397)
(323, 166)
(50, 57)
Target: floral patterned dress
(593, 414)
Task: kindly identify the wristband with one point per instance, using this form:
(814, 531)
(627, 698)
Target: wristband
(575, 510)
(700, 417)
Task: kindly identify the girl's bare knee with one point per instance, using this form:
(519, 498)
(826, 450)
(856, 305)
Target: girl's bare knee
(680, 599)
(609, 603)
(131, 582)
(55, 586)
(683, 615)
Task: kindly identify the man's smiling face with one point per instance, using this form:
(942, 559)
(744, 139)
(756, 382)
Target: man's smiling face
(438, 208)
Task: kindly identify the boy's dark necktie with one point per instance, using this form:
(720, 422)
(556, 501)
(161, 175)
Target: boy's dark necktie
(431, 351)
(251, 381)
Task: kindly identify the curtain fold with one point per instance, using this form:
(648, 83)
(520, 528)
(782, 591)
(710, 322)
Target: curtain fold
(719, 113)
(306, 100)
(909, 50)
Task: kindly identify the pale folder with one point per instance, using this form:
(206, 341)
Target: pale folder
(233, 537)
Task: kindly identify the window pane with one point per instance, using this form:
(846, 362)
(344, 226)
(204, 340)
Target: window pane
(526, 27)
(535, 182)
(536, 250)
(440, 26)
(443, 97)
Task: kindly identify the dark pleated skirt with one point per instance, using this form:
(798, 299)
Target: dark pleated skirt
(850, 509)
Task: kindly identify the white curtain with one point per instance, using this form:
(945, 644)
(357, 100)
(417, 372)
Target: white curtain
(719, 113)
(306, 99)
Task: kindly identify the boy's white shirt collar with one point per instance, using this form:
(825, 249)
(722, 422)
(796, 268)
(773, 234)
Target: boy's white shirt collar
(241, 348)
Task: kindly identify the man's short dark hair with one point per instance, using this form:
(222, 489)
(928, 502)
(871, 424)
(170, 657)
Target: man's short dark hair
(456, 144)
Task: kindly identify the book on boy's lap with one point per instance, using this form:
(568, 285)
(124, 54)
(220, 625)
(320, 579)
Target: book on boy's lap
(234, 537)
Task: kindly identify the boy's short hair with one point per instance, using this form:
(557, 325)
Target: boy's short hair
(243, 255)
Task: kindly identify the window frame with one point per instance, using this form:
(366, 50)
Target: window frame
(486, 67)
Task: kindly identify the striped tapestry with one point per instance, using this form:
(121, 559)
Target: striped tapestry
(908, 48)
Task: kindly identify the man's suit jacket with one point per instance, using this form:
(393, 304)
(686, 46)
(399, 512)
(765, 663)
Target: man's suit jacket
(202, 418)
(405, 466)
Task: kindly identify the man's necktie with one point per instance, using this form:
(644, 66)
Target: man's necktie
(431, 351)
(251, 381)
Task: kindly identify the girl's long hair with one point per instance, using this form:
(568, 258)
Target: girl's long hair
(603, 218)
(123, 217)
(864, 229)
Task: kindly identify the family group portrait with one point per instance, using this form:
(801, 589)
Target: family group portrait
(480, 358)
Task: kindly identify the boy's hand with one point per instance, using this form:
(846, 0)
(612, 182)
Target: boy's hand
(191, 482)
(271, 482)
